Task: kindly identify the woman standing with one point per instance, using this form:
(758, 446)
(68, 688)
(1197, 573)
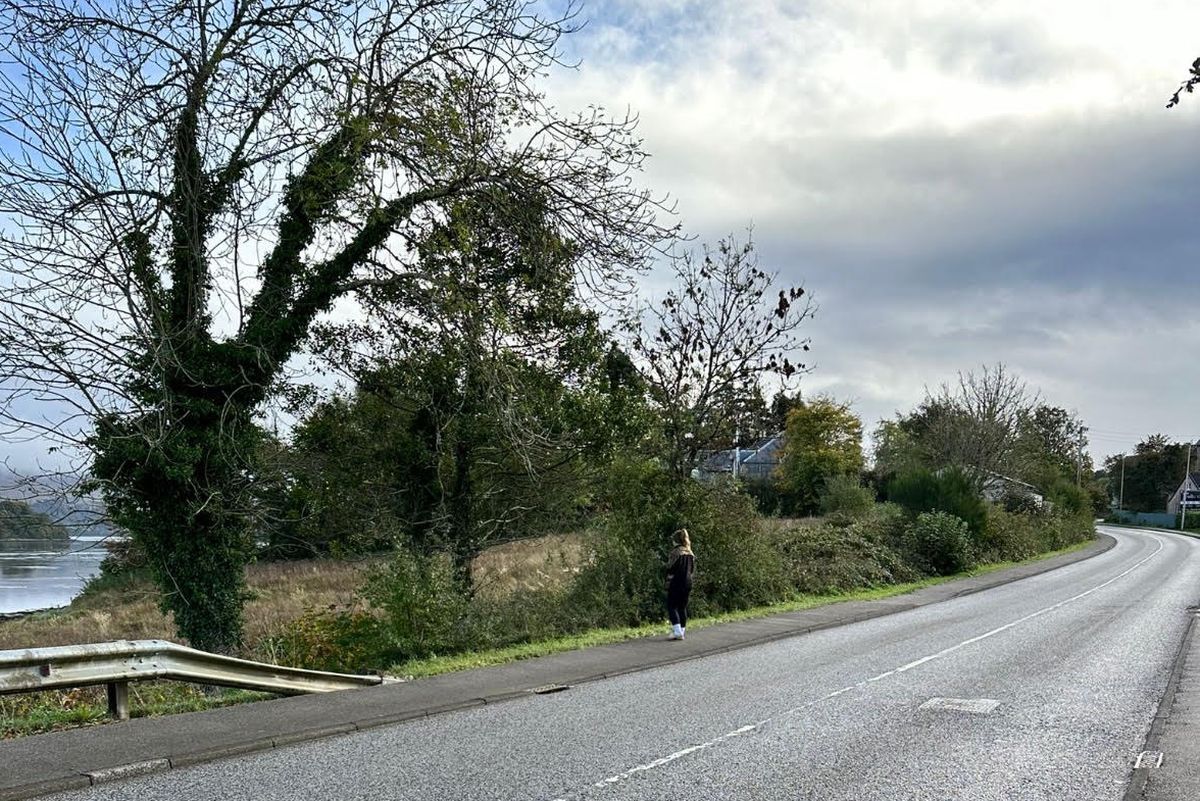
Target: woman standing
(681, 564)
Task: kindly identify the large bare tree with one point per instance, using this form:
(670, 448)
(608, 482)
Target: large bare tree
(705, 347)
(186, 187)
(975, 423)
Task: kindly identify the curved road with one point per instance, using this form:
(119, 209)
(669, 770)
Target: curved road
(1063, 673)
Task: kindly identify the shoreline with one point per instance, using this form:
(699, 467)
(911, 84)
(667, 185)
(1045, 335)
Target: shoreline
(10, 616)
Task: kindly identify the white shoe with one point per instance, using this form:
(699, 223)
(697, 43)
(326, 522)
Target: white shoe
(676, 632)
(682, 631)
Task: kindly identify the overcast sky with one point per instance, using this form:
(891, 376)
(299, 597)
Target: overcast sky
(957, 183)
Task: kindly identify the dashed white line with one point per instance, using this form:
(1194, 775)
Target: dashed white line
(666, 760)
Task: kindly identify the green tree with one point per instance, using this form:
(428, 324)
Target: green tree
(823, 440)
(896, 449)
(197, 186)
(1152, 473)
(948, 490)
(492, 405)
(1051, 448)
(19, 521)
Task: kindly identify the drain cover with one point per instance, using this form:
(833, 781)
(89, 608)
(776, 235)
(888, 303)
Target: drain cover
(1149, 759)
(546, 689)
(976, 706)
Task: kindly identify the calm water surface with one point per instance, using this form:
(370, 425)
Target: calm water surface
(38, 574)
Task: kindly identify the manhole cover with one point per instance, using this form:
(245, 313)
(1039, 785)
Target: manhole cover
(976, 706)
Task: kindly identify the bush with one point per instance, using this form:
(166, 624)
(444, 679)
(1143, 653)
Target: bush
(823, 558)
(421, 608)
(523, 615)
(949, 491)
(1015, 536)
(940, 543)
(845, 495)
(644, 505)
(1012, 536)
(346, 641)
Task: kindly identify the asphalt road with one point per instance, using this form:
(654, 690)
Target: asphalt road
(1063, 671)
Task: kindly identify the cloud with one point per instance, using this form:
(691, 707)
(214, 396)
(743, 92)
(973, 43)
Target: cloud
(958, 183)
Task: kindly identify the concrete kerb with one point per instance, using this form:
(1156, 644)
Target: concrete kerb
(878, 608)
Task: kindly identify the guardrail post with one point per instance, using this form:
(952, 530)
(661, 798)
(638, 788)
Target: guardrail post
(118, 699)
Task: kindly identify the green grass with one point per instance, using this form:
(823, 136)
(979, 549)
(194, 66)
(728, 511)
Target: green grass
(36, 713)
(418, 668)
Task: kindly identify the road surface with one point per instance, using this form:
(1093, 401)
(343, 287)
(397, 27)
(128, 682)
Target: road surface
(1056, 678)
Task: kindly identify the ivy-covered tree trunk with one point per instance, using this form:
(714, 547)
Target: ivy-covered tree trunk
(181, 494)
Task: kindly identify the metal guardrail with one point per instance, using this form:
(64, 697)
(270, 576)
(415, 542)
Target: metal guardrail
(115, 664)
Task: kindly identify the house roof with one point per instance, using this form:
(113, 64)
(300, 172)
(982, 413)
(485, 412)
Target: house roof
(764, 451)
(1010, 480)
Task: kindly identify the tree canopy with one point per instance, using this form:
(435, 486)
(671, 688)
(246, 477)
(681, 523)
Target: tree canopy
(188, 189)
(823, 439)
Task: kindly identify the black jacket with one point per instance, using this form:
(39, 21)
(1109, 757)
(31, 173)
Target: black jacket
(681, 566)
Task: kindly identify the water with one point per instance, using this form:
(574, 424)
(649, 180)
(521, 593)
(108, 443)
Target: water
(39, 574)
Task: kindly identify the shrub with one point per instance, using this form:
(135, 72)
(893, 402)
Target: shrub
(1069, 500)
(823, 558)
(1012, 536)
(421, 608)
(342, 641)
(949, 491)
(523, 615)
(1017, 536)
(940, 543)
(643, 506)
(845, 495)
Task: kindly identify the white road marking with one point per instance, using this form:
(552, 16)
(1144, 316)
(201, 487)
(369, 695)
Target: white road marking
(666, 760)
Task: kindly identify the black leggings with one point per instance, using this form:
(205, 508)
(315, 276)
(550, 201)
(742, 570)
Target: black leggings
(677, 601)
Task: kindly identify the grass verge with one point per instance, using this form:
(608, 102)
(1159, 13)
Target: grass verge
(37, 713)
(467, 661)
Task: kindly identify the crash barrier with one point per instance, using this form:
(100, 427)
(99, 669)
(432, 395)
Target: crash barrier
(116, 664)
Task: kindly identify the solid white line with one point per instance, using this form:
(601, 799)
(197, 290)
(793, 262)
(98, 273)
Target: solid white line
(660, 762)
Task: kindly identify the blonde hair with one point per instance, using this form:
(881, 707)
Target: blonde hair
(681, 538)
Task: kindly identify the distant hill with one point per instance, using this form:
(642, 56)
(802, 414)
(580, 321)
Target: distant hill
(51, 495)
(19, 521)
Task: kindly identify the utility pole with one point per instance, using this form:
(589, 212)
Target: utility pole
(1079, 463)
(737, 449)
(1121, 497)
(1183, 493)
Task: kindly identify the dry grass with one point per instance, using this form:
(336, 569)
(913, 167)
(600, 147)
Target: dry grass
(280, 593)
(539, 563)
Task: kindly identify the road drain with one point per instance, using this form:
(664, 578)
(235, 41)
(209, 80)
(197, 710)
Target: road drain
(1149, 759)
(547, 689)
